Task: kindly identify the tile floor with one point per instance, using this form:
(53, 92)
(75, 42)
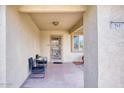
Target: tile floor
(66, 75)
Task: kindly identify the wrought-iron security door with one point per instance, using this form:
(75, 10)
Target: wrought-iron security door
(56, 48)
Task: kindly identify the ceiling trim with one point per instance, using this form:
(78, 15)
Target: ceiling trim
(51, 8)
(77, 26)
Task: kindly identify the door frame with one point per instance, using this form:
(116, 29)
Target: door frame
(60, 35)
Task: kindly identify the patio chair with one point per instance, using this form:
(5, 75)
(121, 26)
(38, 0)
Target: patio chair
(36, 69)
(41, 60)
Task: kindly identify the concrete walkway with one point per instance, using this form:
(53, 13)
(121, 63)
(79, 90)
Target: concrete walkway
(65, 75)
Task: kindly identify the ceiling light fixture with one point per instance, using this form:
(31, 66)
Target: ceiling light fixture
(55, 23)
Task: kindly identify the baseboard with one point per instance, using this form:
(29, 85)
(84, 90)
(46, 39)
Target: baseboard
(25, 80)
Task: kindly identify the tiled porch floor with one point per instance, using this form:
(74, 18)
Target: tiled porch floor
(65, 75)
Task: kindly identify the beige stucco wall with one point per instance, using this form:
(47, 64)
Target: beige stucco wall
(67, 55)
(110, 47)
(23, 41)
(90, 47)
(2, 46)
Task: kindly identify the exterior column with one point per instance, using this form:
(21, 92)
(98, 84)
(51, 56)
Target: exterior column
(2, 46)
(90, 47)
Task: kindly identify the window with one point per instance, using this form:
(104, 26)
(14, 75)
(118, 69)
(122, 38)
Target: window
(77, 41)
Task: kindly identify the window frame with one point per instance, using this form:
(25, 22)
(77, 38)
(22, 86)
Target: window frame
(72, 42)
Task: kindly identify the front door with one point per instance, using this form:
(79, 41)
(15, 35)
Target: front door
(56, 48)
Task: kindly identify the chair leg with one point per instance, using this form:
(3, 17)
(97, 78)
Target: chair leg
(44, 75)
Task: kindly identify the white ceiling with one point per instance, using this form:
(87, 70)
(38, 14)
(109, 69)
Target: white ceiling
(43, 15)
(66, 20)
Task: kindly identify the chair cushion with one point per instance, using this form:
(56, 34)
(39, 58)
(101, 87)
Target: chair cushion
(38, 69)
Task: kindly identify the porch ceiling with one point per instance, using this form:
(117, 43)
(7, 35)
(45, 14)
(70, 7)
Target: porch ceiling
(44, 16)
(66, 20)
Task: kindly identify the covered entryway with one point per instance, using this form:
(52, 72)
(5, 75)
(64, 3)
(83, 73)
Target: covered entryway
(54, 32)
(21, 38)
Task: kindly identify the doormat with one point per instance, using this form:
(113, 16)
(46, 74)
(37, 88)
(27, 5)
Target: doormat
(78, 63)
(57, 62)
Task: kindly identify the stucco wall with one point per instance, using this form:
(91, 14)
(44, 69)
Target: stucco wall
(110, 47)
(90, 48)
(23, 41)
(67, 55)
(2, 46)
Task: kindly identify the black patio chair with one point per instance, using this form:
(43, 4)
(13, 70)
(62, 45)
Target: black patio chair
(41, 60)
(36, 69)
